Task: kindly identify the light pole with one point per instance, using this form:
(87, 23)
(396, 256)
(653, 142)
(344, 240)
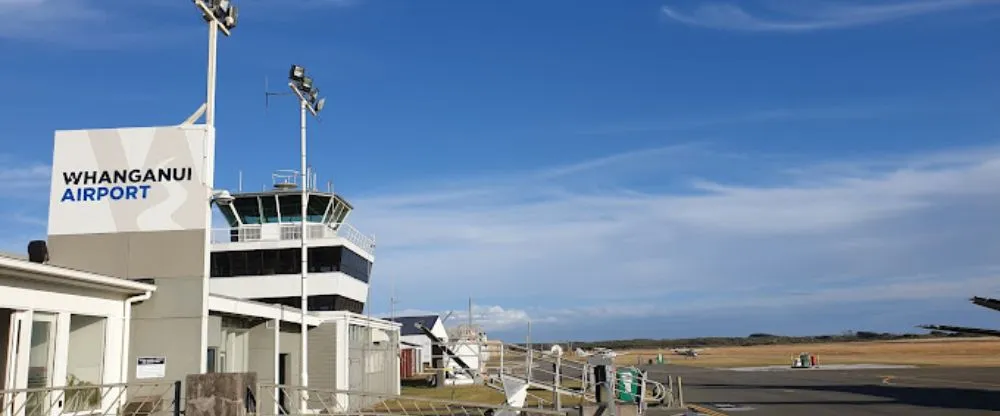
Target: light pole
(221, 16)
(309, 100)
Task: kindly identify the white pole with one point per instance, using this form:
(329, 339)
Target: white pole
(304, 370)
(213, 37)
(213, 40)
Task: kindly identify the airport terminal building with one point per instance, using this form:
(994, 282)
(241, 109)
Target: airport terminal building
(132, 285)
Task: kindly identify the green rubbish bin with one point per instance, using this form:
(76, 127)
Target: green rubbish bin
(627, 384)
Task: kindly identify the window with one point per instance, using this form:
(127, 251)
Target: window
(210, 361)
(316, 207)
(270, 206)
(227, 211)
(85, 363)
(238, 263)
(287, 261)
(319, 303)
(248, 209)
(291, 207)
(354, 265)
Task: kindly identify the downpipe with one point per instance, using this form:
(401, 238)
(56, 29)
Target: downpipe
(127, 331)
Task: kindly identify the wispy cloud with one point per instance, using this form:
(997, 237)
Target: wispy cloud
(547, 243)
(91, 24)
(811, 15)
(16, 176)
(488, 317)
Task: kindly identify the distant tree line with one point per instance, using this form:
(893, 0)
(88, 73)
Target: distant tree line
(758, 338)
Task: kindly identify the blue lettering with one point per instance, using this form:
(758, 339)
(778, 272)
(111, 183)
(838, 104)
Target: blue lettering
(130, 192)
(100, 193)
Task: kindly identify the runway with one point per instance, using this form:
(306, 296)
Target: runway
(901, 391)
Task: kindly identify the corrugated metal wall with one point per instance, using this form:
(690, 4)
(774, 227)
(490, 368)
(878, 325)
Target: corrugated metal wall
(372, 359)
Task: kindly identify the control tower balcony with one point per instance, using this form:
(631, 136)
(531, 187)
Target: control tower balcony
(272, 219)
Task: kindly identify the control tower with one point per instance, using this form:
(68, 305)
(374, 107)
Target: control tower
(258, 256)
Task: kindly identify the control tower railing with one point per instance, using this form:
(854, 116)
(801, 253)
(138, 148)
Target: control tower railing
(291, 231)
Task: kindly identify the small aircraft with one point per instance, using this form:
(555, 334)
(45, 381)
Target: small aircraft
(688, 352)
(596, 351)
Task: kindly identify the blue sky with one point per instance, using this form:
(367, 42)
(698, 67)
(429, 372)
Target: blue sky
(604, 168)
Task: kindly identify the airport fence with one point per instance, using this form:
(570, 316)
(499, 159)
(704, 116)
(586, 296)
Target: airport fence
(275, 400)
(555, 380)
(132, 399)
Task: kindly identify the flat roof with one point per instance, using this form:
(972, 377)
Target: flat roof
(23, 268)
(246, 307)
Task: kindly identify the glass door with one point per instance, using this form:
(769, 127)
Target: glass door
(10, 401)
(41, 363)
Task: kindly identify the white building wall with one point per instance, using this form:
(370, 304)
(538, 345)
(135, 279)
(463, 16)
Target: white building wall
(28, 298)
(282, 285)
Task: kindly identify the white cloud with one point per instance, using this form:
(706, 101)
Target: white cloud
(541, 244)
(809, 15)
(24, 180)
(489, 317)
(95, 24)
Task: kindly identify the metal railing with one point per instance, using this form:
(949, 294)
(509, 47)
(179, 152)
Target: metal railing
(134, 399)
(292, 231)
(274, 400)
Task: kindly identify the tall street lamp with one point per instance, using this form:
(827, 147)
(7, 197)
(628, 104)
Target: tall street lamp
(309, 101)
(221, 16)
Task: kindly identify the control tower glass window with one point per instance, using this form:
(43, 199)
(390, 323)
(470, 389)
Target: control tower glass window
(249, 210)
(317, 207)
(291, 207)
(269, 207)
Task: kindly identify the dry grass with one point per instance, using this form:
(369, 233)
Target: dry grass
(971, 352)
(480, 394)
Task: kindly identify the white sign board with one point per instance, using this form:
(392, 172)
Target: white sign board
(150, 367)
(131, 180)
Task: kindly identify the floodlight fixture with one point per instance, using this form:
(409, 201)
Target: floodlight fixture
(306, 85)
(296, 73)
(319, 104)
(229, 20)
(314, 95)
(223, 12)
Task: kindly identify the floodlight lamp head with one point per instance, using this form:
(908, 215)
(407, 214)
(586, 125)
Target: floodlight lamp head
(229, 20)
(320, 104)
(296, 73)
(314, 94)
(306, 84)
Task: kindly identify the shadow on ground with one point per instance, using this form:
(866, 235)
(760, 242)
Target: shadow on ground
(938, 397)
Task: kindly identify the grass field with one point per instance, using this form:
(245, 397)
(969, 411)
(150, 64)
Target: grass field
(970, 352)
(480, 394)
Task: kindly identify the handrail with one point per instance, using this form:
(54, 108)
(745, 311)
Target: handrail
(292, 231)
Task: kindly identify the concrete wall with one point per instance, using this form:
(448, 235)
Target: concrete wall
(170, 323)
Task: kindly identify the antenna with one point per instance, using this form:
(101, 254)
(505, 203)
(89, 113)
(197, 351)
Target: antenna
(268, 94)
(241, 181)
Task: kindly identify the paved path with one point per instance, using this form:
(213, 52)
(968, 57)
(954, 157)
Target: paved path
(917, 391)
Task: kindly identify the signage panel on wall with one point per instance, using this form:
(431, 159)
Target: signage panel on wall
(131, 180)
(150, 367)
